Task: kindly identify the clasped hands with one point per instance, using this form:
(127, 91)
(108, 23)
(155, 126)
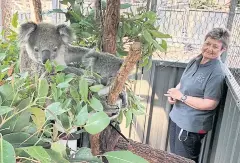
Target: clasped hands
(173, 94)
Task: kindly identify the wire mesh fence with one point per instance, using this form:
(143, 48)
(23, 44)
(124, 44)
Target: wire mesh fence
(187, 21)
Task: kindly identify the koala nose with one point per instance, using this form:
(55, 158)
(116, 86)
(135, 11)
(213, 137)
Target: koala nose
(45, 56)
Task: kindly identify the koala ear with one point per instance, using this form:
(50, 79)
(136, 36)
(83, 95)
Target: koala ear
(65, 32)
(25, 30)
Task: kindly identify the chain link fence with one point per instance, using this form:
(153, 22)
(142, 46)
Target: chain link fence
(187, 21)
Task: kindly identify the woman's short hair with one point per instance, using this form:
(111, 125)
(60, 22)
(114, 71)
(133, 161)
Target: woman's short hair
(220, 34)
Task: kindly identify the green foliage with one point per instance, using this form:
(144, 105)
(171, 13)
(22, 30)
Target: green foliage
(7, 153)
(141, 27)
(123, 157)
(9, 50)
(206, 4)
(25, 118)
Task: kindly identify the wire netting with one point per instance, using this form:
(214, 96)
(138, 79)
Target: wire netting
(187, 21)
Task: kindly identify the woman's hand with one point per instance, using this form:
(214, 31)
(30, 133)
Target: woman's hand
(171, 100)
(174, 93)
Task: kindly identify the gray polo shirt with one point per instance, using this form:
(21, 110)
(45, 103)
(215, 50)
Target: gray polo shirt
(203, 81)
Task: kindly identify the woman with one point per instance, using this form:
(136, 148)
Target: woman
(197, 95)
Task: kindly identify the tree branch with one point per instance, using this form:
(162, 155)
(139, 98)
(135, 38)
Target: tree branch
(131, 60)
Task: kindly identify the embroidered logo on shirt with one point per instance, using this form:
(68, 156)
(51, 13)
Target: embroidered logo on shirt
(200, 78)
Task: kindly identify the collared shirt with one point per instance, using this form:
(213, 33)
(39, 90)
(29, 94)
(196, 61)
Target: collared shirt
(199, 80)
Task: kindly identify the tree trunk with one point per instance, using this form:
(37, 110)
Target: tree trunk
(130, 61)
(150, 154)
(37, 10)
(111, 22)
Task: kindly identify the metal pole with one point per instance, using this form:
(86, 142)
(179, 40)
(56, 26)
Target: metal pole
(1, 23)
(232, 12)
(54, 6)
(154, 5)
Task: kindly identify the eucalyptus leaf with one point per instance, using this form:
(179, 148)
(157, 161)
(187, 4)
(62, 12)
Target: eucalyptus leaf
(56, 92)
(82, 117)
(65, 120)
(7, 93)
(53, 110)
(59, 148)
(54, 11)
(24, 103)
(7, 153)
(63, 85)
(147, 36)
(97, 123)
(158, 34)
(38, 117)
(158, 46)
(64, 2)
(83, 88)
(22, 139)
(60, 78)
(38, 153)
(123, 157)
(42, 91)
(48, 66)
(96, 88)
(96, 104)
(67, 104)
(2, 56)
(74, 94)
(129, 117)
(56, 157)
(164, 45)
(22, 121)
(59, 68)
(5, 109)
(85, 155)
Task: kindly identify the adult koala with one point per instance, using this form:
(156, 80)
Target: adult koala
(40, 42)
(44, 41)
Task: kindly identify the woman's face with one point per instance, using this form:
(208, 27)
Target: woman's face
(212, 48)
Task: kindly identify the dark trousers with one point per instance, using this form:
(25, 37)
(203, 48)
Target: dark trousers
(188, 146)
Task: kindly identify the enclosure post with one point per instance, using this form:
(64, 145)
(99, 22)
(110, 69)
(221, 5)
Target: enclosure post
(232, 11)
(1, 17)
(55, 15)
(154, 5)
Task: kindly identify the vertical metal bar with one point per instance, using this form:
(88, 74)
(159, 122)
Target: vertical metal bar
(168, 107)
(1, 24)
(149, 102)
(154, 5)
(54, 6)
(232, 12)
(151, 107)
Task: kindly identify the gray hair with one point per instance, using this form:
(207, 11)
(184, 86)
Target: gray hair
(220, 34)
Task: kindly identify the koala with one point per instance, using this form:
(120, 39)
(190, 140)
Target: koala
(44, 41)
(104, 64)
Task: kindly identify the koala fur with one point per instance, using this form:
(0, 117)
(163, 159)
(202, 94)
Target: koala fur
(44, 41)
